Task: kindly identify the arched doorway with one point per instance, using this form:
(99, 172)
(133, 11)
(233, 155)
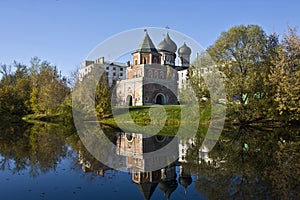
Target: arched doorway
(129, 100)
(160, 99)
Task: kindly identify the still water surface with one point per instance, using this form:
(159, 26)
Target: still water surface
(44, 161)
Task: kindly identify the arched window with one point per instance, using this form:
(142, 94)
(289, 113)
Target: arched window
(154, 60)
(145, 60)
(155, 74)
(162, 75)
(150, 74)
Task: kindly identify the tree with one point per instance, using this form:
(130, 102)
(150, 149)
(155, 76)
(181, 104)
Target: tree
(285, 77)
(14, 90)
(40, 89)
(242, 55)
(49, 88)
(195, 74)
(91, 96)
(205, 78)
(5, 70)
(103, 97)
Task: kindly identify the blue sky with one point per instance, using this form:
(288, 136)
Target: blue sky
(65, 31)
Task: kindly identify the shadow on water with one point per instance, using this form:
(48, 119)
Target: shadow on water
(245, 163)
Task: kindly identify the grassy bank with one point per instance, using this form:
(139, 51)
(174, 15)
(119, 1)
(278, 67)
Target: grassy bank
(58, 118)
(162, 119)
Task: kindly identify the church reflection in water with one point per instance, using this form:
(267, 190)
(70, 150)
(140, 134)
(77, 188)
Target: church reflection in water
(137, 148)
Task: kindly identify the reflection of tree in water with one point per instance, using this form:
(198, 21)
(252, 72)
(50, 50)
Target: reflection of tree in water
(247, 162)
(39, 147)
(88, 163)
(13, 146)
(284, 172)
(250, 163)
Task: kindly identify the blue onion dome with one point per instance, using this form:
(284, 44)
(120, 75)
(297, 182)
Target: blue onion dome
(184, 50)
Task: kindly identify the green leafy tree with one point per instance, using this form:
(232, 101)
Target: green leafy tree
(285, 77)
(49, 88)
(205, 78)
(93, 95)
(242, 55)
(5, 71)
(14, 90)
(195, 74)
(39, 89)
(103, 97)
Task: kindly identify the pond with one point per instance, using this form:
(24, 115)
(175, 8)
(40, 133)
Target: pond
(48, 161)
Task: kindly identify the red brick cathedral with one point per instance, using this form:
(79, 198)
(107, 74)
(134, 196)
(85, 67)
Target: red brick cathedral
(153, 76)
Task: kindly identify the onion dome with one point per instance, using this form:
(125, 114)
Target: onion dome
(184, 50)
(167, 44)
(168, 187)
(185, 181)
(163, 46)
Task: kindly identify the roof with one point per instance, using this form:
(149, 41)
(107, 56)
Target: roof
(114, 64)
(118, 64)
(167, 44)
(147, 189)
(147, 45)
(185, 181)
(184, 50)
(168, 187)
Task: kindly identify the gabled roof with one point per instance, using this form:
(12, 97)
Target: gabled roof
(147, 45)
